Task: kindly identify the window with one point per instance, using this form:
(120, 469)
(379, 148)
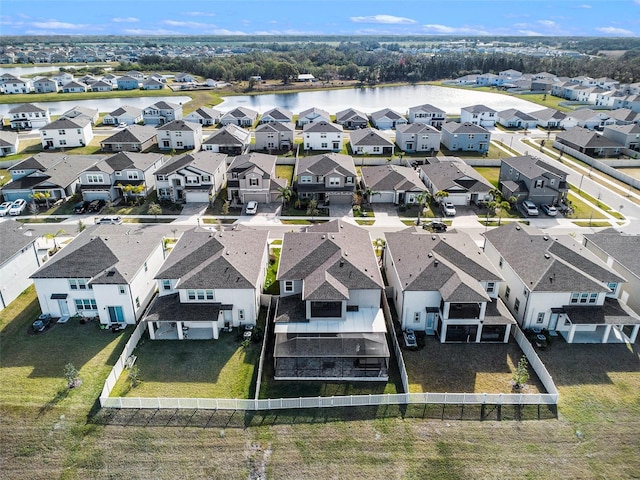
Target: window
(574, 297)
(491, 287)
(516, 306)
(334, 181)
(349, 181)
(206, 178)
(62, 132)
(376, 149)
(132, 175)
(583, 297)
(253, 182)
(122, 289)
(78, 284)
(146, 268)
(200, 294)
(92, 178)
(288, 286)
(209, 294)
(85, 304)
(179, 144)
(191, 180)
(416, 317)
(161, 177)
(241, 315)
(63, 142)
(166, 284)
(191, 294)
(306, 179)
(540, 318)
(539, 184)
(323, 135)
(324, 145)
(78, 131)
(507, 292)
(613, 286)
(593, 297)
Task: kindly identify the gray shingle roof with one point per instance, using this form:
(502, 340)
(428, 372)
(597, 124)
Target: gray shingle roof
(478, 109)
(229, 135)
(586, 138)
(418, 128)
(427, 108)
(532, 167)
(546, 264)
(466, 127)
(450, 263)
(243, 163)
(132, 134)
(205, 259)
(164, 105)
(369, 137)
(126, 109)
(324, 164)
(455, 175)
(64, 122)
(392, 178)
(322, 127)
(203, 160)
(386, 113)
(548, 114)
(512, 112)
(279, 114)
(275, 127)
(181, 126)
(27, 107)
(13, 238)
(331, 259)
(624, 248)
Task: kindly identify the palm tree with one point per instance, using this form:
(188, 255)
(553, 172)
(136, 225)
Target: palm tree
(440, 194)
(498, 206)
(53, 236)
(421, 199)
(368, 193)
(286, 193)
(312, 208)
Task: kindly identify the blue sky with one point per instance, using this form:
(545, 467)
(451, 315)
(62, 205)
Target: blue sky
(612, 18)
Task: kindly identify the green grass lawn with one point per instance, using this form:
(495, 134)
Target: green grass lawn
(492, 174)
(580, 208)
(271, 285)
(197, 369)
(285, 171)
(493, 153)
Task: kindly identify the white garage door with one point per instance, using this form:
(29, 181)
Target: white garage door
(456, 199)
(90, 196)
(383, 197)
(197, 197)
(257, 197)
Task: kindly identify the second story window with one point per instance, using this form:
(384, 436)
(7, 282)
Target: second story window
(288, 286)
(253, 182)
(491, 286)
(334, 181)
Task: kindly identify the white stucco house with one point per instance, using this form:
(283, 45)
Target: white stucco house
(209, 282)
(478, 115)
(180, 135)
(106, 272)
(65, 133)
(29, 115)
(323, 136)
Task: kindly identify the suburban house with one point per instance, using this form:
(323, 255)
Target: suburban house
(466, 137)
(327, 178)
(513, 118)
(591, 119)
(392, 184)
(127, 82)
(63, 77)
(111, 178)
(77, 112)
(277, 115)
(10, 84)
(478, 115)
(556, 283)
(134, 138)
(626, 135)
(550, 118)
(588, 142)
(427, 114)
(152, 84)
(180, 135)
(9, 142)
(253, 177)
(29, 115)
(125, 114)
(240, 116)
(313, 115)
(65, 133)
(210, 281)
(206, 116)
(463, 184)
(274, 136)
(322, 136)
(370, 141)
(418, 137)
(45, 85)
(529, 178)
(620, 252)
(387, 119)
(101, 86)
(87, 80)
(18, 260)
(329, 323)
(74, 87)
(55, 174)
(624, 116)
(184, 78)
(352, 119)
(231, 139)
(161, 112)
(443, 285)
(106, 272)
(192, 177)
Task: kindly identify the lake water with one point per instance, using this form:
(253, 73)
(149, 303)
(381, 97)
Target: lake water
(368, 100)
(103, 105)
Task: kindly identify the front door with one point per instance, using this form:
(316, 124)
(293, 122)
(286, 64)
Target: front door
(116, 315)
(553, 322)
(431, 319)
(228, 318)
(64, 308)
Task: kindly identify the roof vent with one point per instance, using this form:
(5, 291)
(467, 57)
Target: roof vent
(227, 252)
(341, 263)
(436, 262)
(545, 238)
(517, 227)
(547, 256)
(433, 237)
(430, 255)
(323, 237)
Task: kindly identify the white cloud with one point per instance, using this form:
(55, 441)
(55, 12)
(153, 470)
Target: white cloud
(447, 30)
(530, 33)
(176, 23)
(548, 23)
(385, 19)
(142, 31)
(585, 6)
(54, 24)
(615, 31)
(200, 14)
(125, 20)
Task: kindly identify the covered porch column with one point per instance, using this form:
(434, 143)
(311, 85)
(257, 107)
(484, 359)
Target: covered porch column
(507, 333)
(216, 330)
(607, 331)
(179, 330)
(634, 333)
(572, 332)
(152, 330)
(479, 332)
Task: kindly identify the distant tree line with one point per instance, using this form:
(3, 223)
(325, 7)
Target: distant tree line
(354, 61)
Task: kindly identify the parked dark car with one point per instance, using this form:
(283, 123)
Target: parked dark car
(435, 226)
(81, 207)
(96, 205)
(42, 322)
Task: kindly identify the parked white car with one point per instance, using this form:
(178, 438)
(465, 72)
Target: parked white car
(4, 208)
(18, 206)
(529, 208)
(252, 207)
(549, 210)
(110, 220)
(449, 209)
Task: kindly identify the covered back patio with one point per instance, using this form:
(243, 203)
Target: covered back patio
(612, 322)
